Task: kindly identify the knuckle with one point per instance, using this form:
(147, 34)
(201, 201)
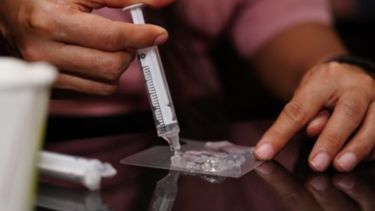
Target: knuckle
(325, 71)
(30, 53)
(332, 141)
(333, 69)
(112, 41)
(113, 68)
(367, 80)
(36, 20)
(352, 109)
(296, 113)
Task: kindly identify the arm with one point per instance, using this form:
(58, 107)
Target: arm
(285, 59)
(90, 51)
(347, 136)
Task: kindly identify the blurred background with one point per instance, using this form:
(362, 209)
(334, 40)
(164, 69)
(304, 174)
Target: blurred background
(355, 23)
(245, 97)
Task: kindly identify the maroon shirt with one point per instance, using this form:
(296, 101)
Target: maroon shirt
(248, 24)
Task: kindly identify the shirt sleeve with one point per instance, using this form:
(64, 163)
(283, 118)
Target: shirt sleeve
(259, 21)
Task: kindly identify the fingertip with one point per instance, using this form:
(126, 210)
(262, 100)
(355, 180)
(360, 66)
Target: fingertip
(345, 162)
(320, 162)
(316, 126)
(159, 29)
(312, 131)
(146, 35)
(150, 29)
(264, 151)
(161, 38)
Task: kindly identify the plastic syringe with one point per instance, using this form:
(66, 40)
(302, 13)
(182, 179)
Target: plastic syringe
(88, 172)
(157, 87)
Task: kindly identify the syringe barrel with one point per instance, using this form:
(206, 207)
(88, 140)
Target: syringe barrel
(169, 130)
(158, 92)
(156, 84)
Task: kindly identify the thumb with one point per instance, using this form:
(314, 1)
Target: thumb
(146, 35)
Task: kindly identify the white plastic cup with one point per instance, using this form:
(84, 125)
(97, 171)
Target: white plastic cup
(24, 94)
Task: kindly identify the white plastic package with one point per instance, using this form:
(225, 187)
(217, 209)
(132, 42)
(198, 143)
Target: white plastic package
(211, 158)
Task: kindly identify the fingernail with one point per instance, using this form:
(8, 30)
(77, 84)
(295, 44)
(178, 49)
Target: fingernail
(264, 152)
(320, 161)
(264, 169)
(161, 39)
(346, 182)
(347, 161)
(319, 183)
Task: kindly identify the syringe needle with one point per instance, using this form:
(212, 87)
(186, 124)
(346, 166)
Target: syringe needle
(157, 87)
(175, 144)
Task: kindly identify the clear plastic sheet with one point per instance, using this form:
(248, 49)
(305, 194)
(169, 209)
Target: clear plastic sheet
(212, 158)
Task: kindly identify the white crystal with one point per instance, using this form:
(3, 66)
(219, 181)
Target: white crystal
(207, 161)
(228, 147)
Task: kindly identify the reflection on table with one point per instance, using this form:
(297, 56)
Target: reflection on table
(284, 184)
(52, 197)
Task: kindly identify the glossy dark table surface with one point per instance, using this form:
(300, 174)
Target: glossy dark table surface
(283, 184)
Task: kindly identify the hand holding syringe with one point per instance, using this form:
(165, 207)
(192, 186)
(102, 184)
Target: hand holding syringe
(157, 88)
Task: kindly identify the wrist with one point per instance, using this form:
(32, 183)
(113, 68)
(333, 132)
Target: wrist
(364, 64)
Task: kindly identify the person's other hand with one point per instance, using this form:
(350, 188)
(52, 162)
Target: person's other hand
(347, 136)
(90, 51)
